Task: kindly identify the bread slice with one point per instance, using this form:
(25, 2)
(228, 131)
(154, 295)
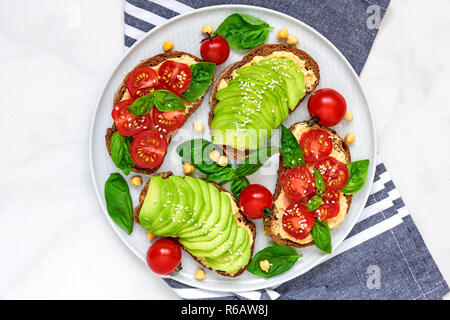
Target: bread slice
(122, 93)
(265, 51)
(240, 218)
(272, 224)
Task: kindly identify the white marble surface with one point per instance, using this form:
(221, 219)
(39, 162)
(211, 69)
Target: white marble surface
(57, 54)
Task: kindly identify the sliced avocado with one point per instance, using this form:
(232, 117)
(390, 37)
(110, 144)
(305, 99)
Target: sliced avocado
(199, 207)
(152, 206)
(244, 113)
(250, 138)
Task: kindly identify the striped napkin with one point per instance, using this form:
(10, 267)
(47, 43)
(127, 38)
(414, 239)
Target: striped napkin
(384, 256)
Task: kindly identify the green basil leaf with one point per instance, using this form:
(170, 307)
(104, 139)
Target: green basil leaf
(320, 184)
(256, 160)
(314, 203)
(290, 149)
(142, 106)
(165, 100)
(238, 185)
(225, 175)
(120, 152)
(281, 259)
(357, 172)
(118, 201)
(196, 152)
(202, 75)
(243, 31)
(321, 235)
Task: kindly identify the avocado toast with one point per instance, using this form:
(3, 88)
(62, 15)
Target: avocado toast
(122, 94)
(203, 217)
(273, 225)
(254, 95)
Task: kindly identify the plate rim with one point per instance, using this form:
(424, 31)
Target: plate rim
(273, 281)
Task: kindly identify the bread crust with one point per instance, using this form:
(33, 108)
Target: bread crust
(151, 62)
(263, 50)
(241, 218)
(338, 143)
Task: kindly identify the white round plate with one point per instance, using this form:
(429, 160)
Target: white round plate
(184, 31)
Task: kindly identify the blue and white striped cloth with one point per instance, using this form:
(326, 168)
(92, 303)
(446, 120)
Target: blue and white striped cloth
(384, 256)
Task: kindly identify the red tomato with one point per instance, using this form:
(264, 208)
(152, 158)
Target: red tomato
(328, 105)
(174, 76)
(142, 81)
(148, 149)
(334, 173)
(316, 144)
(298, 183)
(330, 207)
(298, 222)
(127, 123)
(163, 256)
(215, 49)
(254, 199)
(169, 120)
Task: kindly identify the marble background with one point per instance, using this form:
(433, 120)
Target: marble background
(55, 58)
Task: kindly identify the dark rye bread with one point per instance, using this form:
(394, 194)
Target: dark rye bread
(151, 62)
(264, 50)
(338, 145)
(241, 218)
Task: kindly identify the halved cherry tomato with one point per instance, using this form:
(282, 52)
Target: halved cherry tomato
(330, 207)
(163, 256)
(175, 76)
(298, 222)
(298, 183)
(316, 144)
(334, 172)
(142, 81)
(127, 123)
(148, 149)
(169, 120)
(253, 199)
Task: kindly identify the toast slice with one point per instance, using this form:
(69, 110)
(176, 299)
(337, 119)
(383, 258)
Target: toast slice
(240, 219)
(154, 62)
(267, 50)
(272, 224)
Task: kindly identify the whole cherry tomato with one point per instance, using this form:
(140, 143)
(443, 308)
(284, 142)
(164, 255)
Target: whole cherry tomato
(164, 256)
(328, 105)
(254, 199)
(215, 49)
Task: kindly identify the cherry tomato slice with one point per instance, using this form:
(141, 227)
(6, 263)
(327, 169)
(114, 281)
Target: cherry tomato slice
(253, 199)
(163, 256)
(330, 207)
(169, 120)
(127, 123)
(298, 222)
(298, 183)
(334, 172)
(148, 149)
(142, 81)
(175, 76)
(316, 144)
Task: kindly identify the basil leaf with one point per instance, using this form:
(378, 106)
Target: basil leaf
(225, 175)
(165, 100)
(321, 235)
(118, 201)
(202, 75)
(238, 185)
(256, 160)
(314, 203)
(320, 184)
(243, 31)
(120, 152)
(290, 149)
(357, 172)
(196, 152)
(142, 106)
(281, 259)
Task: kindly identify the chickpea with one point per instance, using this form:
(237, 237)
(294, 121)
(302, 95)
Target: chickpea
(188, 168)
(207, 29)
(264, 265)
(282, 34)
(199, 274)
(222, 161)
(214, 155)
(348, 116)
(292, 40)
(150, 236)
(198, 126)
(167, 46)
(136, 181)
(350, 138)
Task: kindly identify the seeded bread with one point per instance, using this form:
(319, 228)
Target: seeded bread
(118, 96)
(264, 50)
(240, 218)
(272, 224)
